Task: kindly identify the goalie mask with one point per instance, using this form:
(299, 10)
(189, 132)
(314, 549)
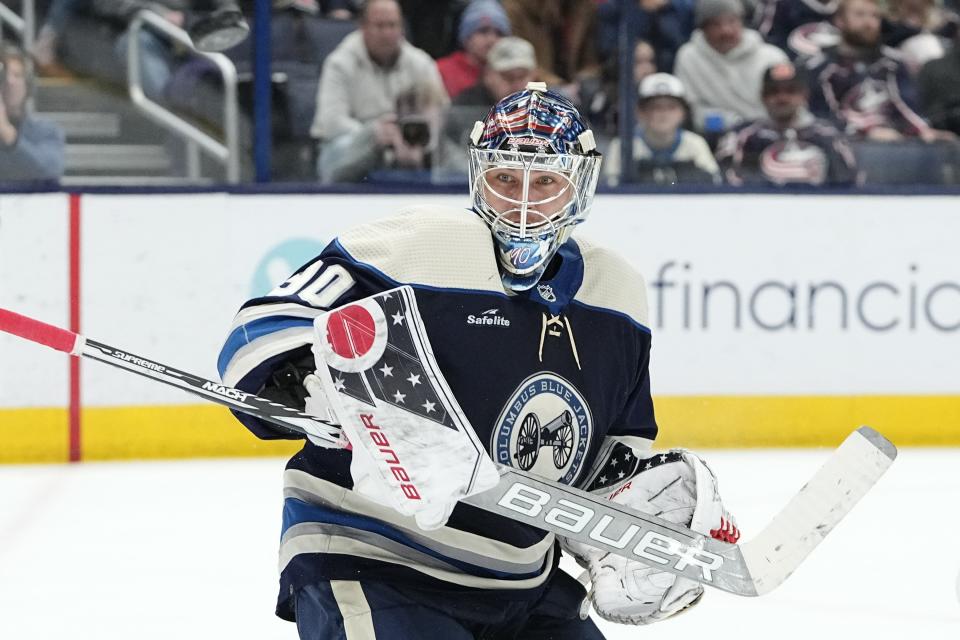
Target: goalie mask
(533, 173)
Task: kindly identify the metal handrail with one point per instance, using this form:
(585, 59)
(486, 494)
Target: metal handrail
(29, 28)
(229, 153)
(10, 17)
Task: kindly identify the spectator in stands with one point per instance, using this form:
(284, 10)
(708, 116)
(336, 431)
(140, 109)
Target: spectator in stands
(157, 54)
(510, 66)
(599, 95)
(920, 49)
(331, 9)
(432, 25)
(665, 24)
(920, 30)
(789, 145)
(939, 85)
(799, 27)
(31, 148)
(644, 61)
(45, 53)
(863, 85)
(482, 24)
(722, 67)
(219, 25)
(338, 9)
(663, 151)
(377, 96)
(563, 33)
(909, 18)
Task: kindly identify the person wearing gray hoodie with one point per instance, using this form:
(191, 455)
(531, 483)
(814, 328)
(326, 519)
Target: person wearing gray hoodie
(722, 67)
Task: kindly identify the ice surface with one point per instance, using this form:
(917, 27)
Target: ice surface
(187, 550)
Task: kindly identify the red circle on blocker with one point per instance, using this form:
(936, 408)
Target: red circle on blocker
(351, 331)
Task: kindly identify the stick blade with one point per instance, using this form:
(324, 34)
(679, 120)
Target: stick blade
(40, 332)
(821, 504)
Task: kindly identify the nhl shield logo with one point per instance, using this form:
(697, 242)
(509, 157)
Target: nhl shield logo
(546, 292)
(545, 428)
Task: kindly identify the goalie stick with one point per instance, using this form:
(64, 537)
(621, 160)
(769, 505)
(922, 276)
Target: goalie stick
(751, 568)
(288, 419)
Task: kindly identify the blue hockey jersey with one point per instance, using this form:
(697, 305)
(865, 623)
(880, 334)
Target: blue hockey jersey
(554, 380)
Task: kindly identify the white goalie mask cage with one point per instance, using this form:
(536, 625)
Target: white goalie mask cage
(531, 201)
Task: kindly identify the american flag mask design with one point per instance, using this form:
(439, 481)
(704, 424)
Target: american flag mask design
(533, 173)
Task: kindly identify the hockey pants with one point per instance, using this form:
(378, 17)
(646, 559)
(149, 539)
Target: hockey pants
(350, 610)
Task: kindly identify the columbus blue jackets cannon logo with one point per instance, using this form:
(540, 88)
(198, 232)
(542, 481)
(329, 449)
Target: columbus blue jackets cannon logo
(545, 427)
(556, 434)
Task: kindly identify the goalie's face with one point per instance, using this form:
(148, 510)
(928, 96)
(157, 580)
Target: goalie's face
(528, 197)
(530, 200)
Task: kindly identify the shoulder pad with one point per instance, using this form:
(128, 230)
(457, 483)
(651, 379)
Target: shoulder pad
(429, 245)
(609, 282)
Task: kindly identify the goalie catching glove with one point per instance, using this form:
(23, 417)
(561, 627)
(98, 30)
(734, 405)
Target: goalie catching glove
(677, 486)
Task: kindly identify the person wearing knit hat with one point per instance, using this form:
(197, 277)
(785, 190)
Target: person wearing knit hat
(481, 14)
(483, 23)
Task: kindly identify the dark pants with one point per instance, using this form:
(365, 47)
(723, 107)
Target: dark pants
(349, 610)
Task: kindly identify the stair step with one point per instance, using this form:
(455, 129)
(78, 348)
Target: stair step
(66, 94)
(117, 157)
(109, 140)
(73, 95)
(78, 124)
